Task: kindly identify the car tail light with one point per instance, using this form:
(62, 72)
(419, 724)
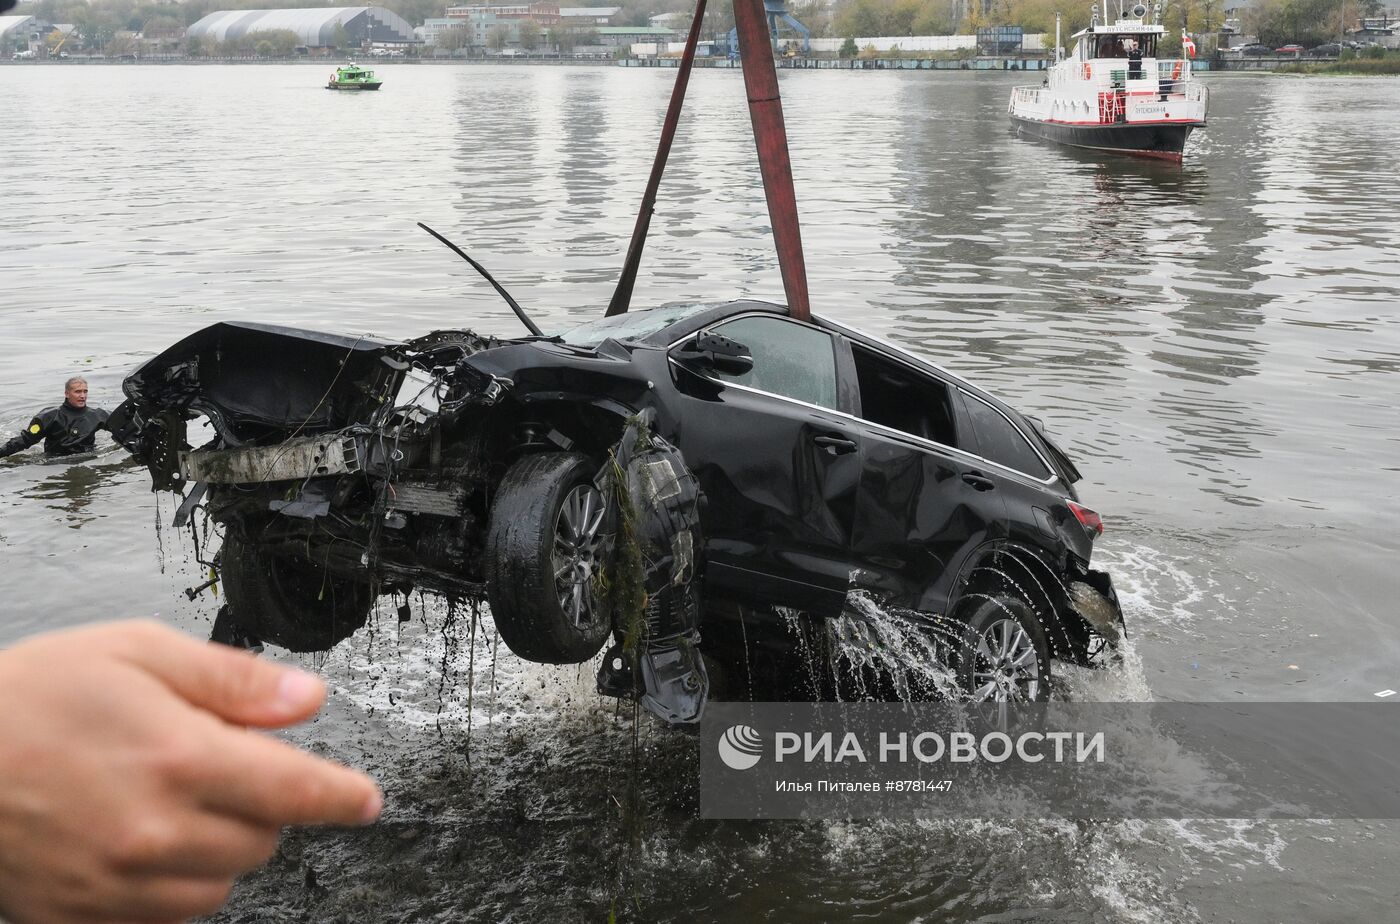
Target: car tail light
(1086, 517)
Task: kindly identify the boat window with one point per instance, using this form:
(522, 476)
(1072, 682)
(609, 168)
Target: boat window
(895, 396)
(1111, 46)
(1001, 442)
(789, 359)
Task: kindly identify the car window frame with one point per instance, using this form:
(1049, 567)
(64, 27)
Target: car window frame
(841, 362)
(961, 423)
(1054, 472)
(848, 389)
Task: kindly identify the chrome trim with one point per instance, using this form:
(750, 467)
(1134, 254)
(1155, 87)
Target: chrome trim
(759, 391)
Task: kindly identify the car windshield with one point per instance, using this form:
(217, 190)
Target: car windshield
(634, 325)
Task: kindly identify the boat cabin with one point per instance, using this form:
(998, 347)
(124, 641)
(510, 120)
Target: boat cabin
(1117, 45)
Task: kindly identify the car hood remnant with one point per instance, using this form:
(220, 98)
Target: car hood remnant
(260, 385)
(680, 481)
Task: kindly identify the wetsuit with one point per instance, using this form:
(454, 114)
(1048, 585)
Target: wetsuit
(65, 430)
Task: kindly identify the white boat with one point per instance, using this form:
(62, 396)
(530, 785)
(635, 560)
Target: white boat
(1113, 93)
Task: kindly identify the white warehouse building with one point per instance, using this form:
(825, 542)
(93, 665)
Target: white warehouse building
(316, 28)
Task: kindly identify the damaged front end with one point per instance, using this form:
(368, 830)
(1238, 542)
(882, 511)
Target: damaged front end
(327, 402)
(362, 456)
(343, 468)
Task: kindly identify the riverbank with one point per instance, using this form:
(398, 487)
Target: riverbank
(1361, 67)
(856, 64)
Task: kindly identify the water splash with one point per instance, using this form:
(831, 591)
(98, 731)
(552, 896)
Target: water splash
(871, 643)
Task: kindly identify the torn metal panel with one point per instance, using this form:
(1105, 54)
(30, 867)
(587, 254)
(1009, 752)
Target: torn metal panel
(312, 500)
(186, 508)
(309, 457)
(256, 376)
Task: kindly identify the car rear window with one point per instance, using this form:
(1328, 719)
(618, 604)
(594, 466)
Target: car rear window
(1001, 442)
(789, 359)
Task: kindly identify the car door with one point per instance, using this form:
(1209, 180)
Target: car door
(778, 464)
(925, 503)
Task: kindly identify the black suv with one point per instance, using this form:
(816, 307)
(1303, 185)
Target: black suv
(714, 487)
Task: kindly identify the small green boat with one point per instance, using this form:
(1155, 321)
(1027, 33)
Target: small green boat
(353, 77)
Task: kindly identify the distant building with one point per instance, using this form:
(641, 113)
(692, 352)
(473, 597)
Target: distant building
(545, 14)
(316, 28)
(1381, 30)
(22, 33)
(625, 36)
(588, 15)
(432, 28)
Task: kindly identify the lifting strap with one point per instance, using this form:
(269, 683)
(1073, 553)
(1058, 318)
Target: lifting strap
(622, 295)
(770, 139)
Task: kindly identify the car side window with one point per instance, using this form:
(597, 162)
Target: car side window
(895, 396)
(1001, 442)
(789, 359)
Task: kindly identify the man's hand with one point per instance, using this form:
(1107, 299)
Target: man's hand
(130, 789)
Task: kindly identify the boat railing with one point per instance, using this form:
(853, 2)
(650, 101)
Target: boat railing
(1190, 90)
(1025, 96)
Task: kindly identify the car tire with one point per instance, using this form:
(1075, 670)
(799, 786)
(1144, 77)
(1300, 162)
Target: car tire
(550, 533)
(1005, 656)
(287, 601)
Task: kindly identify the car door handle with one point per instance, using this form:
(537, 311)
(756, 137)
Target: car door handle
(979, 481)
(836, 445)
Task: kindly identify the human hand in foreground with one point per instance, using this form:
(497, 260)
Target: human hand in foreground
(129, 790)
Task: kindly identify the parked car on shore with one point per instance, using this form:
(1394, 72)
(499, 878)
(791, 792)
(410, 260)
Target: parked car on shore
(1330, 50)
(1294, 50)
(1256, 50)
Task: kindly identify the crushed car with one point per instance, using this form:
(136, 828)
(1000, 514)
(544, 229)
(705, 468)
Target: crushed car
(701, 487)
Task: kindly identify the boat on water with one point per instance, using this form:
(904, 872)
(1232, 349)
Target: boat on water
(351, 76)
(1113, 92)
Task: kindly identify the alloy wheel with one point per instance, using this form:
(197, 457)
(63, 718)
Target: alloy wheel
(578, 553)
(1007, 668)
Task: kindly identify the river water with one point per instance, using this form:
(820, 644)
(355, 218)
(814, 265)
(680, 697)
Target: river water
(1215, 343)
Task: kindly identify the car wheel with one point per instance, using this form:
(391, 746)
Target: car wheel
(1005, 656)
(550, 535)
(287, 601)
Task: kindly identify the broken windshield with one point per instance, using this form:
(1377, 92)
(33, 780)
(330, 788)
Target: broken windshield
(634, 325)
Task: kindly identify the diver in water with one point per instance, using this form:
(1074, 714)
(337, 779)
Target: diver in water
(67, 429)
